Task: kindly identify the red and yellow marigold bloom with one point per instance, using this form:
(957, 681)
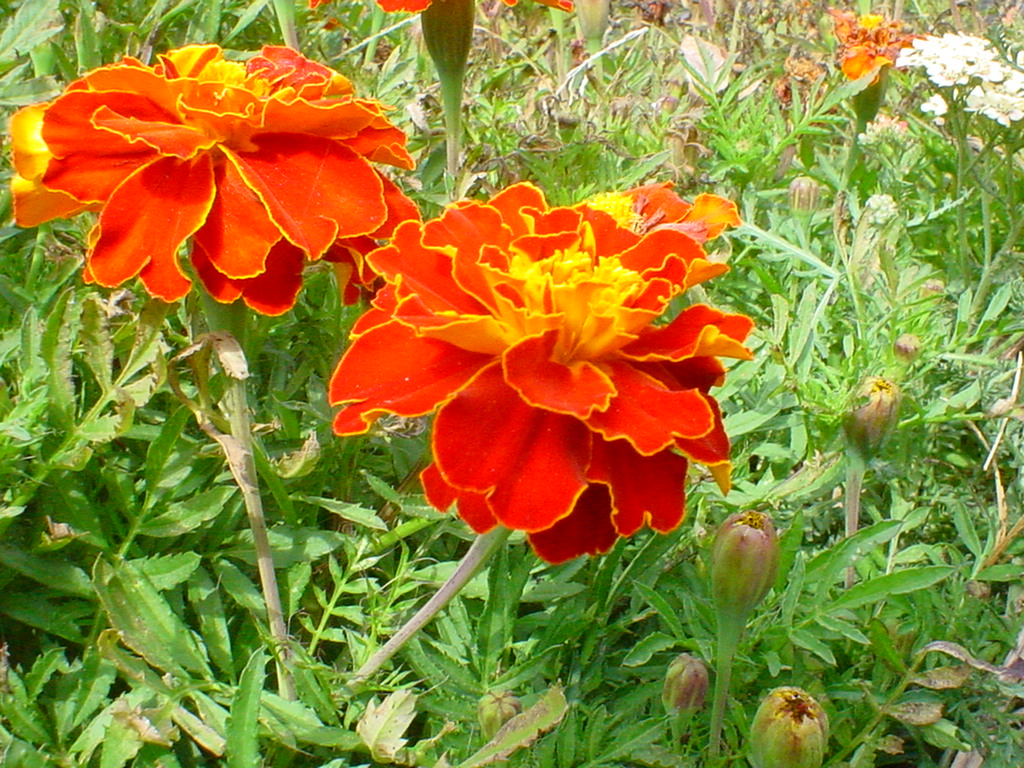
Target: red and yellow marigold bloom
(564, 408)
(868, 42)
(263, 164)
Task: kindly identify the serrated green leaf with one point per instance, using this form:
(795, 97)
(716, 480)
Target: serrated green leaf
(205, 598)
(185, 516)
(242, 747)
(641, 653)
(382, 725)
(522, 730)
(145, 621)
(168, 571)
(349, 512)
(33, 24)
(97, 347)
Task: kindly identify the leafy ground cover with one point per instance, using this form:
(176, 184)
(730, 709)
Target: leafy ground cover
(133, 627)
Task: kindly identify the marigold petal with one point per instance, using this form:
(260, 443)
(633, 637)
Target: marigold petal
(272, 292)
(698, 330)
(238, 232)
(221, 287)
(34, 204)
(515, 202)
(714, 213)
(30, 153)
(88, 163)
(190, 60)
(645, 490)
(411, 6)
(473, 507)
(648, 414)
(588, 530)
(147, 219)
(399, 208)
(383, 143)
(314, 189)
(422, 271)
(663, 253)
(659, 204)
(711, 448)
(609, 238)
(390, 369)
(332, 119)
(167, 138)
(577, 389)
(701, 373)
(531, 463)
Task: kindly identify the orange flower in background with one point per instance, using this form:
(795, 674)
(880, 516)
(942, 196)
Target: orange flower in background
(656, 205)
(263, 164)
(563, 410)
(867, 42)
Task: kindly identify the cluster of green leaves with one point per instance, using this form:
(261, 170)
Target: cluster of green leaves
(132, 626)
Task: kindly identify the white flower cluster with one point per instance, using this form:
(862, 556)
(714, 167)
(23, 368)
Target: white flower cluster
(957, 59)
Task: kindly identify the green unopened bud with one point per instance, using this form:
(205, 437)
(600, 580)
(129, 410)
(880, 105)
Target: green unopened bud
(790, 730)
(907, 347)
(744, 563)
(686, 684)
(873, 416)
(804, 195)
(495, 709)
(593, 18)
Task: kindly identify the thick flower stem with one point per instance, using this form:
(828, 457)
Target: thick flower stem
(728, 639)
(285, 10)
(238, 451)
(478, 554)
(448, 33)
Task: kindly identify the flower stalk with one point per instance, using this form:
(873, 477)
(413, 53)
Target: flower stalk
(476, 556)
(238, 452)
(285, 12)
(448, 33)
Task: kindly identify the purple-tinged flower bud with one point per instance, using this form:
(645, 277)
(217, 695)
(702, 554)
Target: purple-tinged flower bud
(686, 684)
(744, 563)
(804, 195)
(790, 730)
(907, 347)
(495, 709)
(869, 424)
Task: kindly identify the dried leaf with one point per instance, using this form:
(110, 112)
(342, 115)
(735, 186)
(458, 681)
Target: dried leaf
(942, 678)
(230, 354)
(917, 712)
(381, 726)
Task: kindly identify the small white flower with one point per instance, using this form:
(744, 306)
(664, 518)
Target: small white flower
(936, 105)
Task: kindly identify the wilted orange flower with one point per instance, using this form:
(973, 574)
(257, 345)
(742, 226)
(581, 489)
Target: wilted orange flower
(867, 42)
(264, 164)
(563, 409)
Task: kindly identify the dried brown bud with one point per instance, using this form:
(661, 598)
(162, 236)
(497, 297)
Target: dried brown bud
(907, 347)
(869, 424)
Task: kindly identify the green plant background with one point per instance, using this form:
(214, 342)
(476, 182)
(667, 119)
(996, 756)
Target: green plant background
(132, 626)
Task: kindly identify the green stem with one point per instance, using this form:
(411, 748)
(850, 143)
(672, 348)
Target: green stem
(728, 639)
(478, 554)
(285, 11)
(448, 33)
(854, 482)
(238, 451)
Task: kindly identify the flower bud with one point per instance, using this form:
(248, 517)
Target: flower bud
(744, 562)
(869, 425)
(686, 684)
(495, 709)
(907, 347)
(804, 195)
(790, 730)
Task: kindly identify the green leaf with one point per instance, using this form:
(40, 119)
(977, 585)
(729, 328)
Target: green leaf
(145, 621)
(243, 723)
(352, 513)
(97, 347)
(898, 583)
(522, 730)
(34, 23)
(168, 571)
(205, 598)
(642, 652)
(183, 517)
(660, 604)
(49, 571)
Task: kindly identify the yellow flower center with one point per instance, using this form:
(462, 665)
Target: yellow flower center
(620, 207)
(870, 21)
(588, 296)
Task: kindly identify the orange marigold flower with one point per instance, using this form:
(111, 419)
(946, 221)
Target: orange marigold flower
(657, 205)
(264, 164)
(563, 409)
(867, 42)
